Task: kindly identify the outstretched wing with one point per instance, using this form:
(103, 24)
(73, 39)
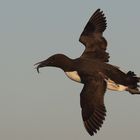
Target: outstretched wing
(91, 37)
(92, 104)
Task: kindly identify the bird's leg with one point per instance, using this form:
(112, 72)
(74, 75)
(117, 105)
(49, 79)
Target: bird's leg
(133, 91)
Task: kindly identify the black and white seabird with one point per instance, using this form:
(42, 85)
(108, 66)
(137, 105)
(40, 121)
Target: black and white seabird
(93, 70)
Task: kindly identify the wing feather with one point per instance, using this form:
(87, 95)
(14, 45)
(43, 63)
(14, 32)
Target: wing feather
(91, 37)
(92, 104)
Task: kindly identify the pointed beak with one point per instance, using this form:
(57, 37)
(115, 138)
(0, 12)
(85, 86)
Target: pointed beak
(40, 65)
(37, 66)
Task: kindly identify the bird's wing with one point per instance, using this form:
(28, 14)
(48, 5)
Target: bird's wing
(92, 104)
(91, 37)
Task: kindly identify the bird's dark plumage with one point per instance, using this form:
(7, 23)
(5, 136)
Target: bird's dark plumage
(92, 104)
(91, 37)
(92, 69)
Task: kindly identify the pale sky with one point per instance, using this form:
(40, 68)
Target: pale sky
(47, 106)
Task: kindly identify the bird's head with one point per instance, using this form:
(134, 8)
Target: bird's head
(57, 60)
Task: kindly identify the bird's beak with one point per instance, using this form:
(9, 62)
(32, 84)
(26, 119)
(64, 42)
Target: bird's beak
(40, 65)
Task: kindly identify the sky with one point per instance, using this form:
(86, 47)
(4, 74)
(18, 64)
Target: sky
(47, 105)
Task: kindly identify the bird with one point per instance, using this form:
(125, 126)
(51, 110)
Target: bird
(93, 70)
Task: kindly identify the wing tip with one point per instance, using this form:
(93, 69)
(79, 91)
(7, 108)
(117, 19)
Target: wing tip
(95, 122)
(99, 19)
(96, 23)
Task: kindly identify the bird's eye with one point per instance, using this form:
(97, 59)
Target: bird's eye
(52, 60)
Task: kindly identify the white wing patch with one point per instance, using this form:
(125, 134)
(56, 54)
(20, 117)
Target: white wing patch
(73, 75)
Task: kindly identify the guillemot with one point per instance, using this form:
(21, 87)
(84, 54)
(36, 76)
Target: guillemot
(93, 70)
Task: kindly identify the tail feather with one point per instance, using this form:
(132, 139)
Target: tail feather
(134, 80)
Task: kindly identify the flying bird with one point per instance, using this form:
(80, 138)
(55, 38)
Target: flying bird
(93, 70)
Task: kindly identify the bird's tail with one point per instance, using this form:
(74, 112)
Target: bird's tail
(134, 80)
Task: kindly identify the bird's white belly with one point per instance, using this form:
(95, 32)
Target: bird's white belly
(73, 75)
(111, 85)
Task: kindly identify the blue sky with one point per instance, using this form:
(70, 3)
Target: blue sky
(46, 106)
